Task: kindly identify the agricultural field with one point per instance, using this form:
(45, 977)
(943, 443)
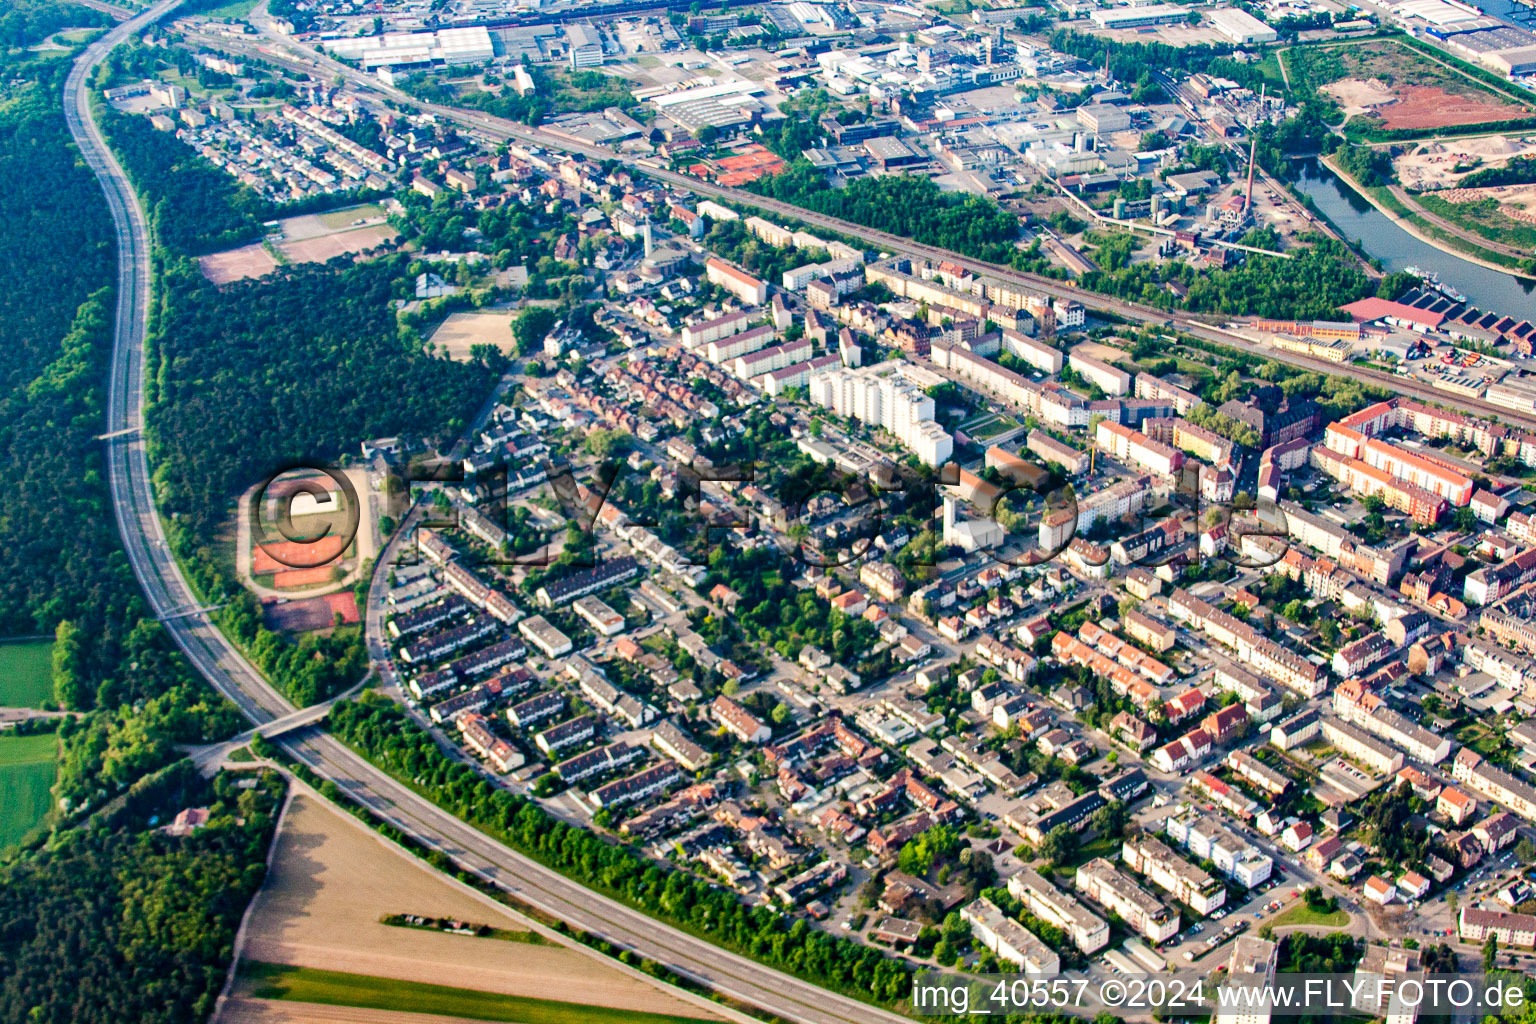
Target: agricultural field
(26, 673)
(335, 988)
(1390, 87)
(28, 765)
(333, 881)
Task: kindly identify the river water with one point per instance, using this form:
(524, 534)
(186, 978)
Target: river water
(1356, 219)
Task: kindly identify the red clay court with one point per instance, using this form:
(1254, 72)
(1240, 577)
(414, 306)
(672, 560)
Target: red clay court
(282, 556)
(289, 578)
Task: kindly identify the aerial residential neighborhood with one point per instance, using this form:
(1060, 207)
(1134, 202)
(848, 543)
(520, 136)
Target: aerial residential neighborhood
(649, 511)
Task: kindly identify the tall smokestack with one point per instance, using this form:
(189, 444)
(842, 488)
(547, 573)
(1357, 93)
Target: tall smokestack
(1253, 147)
(1248, 195)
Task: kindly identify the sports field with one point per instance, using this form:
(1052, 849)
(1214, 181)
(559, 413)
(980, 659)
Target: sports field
(26, 673)
(27, 770)
(461, 332)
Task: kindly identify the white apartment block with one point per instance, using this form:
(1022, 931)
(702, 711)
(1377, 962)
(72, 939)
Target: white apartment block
(722, 351)
(1089, 931)
(1208, 839)
(1358, 745)
(1110, 380)
(878, 396)
(1165, 869)
(1101, 882)
(738, 282)
(724, 326)
(1009, 939)
(1036, 353)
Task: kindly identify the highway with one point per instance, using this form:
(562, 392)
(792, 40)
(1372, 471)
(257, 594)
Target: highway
(228, 671)
(305, 60)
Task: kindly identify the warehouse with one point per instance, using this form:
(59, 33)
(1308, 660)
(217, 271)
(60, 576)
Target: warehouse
(1139, 17)
(1241, 27)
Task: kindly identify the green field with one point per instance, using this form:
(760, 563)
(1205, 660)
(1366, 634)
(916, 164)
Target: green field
(1303, 914)
(26, 673)
(335, 988)
(236, 9)
(27, 770)
(344, 218)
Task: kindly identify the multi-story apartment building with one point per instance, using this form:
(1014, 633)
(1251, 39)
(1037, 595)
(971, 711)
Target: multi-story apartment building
(1476, 772)
(738, 282)
(1358, 745)
(1103, 883)
(1173, 874)
(1009, 939)
(1048, 449)
(881, 397)
(1133, 446)
(1109, 379)
(1089, 932)
(1207, 838)
(1359, 706)
(1252, 647)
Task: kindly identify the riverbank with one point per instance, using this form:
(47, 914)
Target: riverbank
(1408, 224)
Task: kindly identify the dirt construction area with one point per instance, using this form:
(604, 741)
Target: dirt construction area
(1429, 106)
(237, 264)
(331, 881)
(1394, 86)
(461, 332)
(1443, 163)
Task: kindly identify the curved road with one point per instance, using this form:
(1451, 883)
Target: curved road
(228, 671)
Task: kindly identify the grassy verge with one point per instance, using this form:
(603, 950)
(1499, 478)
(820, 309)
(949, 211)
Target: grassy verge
(1483, 218)
(337, 988)
(1301, 914)
(1440, 238)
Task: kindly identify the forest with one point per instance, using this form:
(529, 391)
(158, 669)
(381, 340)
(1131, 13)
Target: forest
(62, 571)
(192, 206)
(120, 922)
(28, 22)
(295, 367)
(906, 205)
(1312, 285)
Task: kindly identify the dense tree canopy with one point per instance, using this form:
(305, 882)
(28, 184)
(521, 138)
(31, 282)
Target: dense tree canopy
(119, 922)
(193, 207)
(61, 568)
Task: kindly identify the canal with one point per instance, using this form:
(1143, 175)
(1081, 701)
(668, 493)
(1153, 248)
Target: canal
(1357, 219)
